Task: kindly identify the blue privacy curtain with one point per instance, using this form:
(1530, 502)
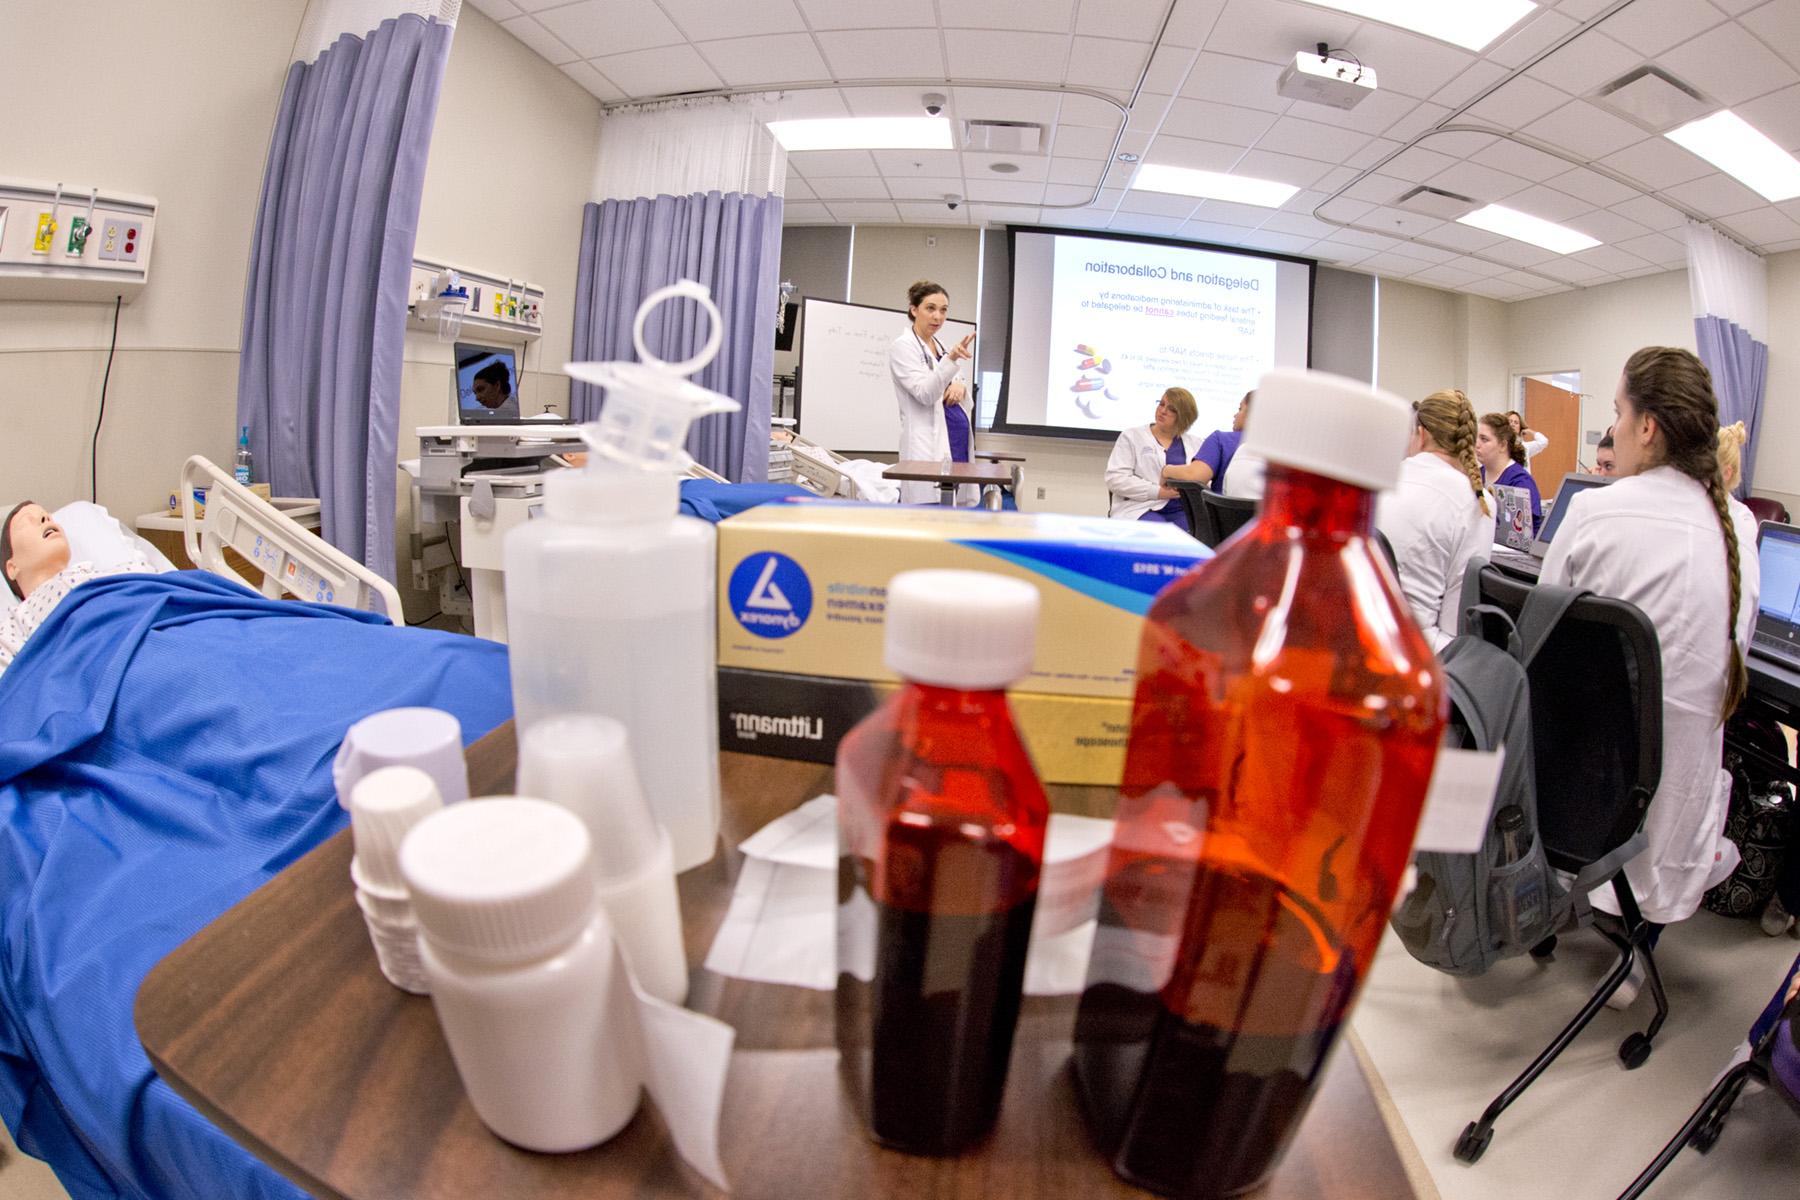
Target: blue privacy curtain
(1729, 289)
(325, 301)
(729, 242)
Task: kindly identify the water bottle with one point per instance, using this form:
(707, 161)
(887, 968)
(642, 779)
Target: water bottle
(1515, 892)
(242, 471)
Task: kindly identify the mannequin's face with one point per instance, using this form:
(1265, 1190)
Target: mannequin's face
(39, 549)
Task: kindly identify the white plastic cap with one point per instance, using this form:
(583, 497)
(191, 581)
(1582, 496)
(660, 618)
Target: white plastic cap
(961, 629)
(1329, 425)
(583, 762)
(501, 880)
(427, 738)
(384, 806)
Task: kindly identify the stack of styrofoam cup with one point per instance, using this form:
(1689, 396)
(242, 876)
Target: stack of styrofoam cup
(427, 738)
(384, 806)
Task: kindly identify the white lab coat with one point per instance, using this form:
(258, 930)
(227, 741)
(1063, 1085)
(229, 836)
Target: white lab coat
(1134, 471)
(919, 390)
(1535, 444)
(1749, 566)
(1436, 527)
(1245, 476)
(1653, 539)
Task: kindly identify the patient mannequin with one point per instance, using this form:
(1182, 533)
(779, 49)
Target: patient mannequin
(34, 554)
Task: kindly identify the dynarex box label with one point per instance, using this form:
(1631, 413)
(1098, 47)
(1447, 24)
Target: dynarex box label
(769, 595)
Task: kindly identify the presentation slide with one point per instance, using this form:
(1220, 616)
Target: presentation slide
(1101, 326)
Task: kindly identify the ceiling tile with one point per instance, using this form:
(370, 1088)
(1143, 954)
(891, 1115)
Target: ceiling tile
(1466, 238)
(1282, 168)
(1148, 113)
(1469, 84)
(1292, 135)
(1574, 272)
(660, 72)
(883, 101)
(1120, 19)
(1715, 195)
(1400, 223)
(1223, 212)
(1281, 243)
(1007, 104)
(1335, 179)
(1587, 62)
(1457, 144)
(608, 27)
(1405, 62)
(1342, 210)
(1068, 193)
(1584, 131)
(1416, 122)
(914, 213)
(1078, 141)
(1608, 226)
(1191, 22)
(1593, 187)
(1129, 222)
(980, 166)
(1043, 16)
(1537, 35)
(1299, 224)
(914, 164)
(1527, 280)
(1609, 259)
(1417, 163)
(885, 54)
(1006, 191)
(1090, 112)
(1764, 226)
(712, 19)
(1081, 171)
(855, 14)
(1650, 213)
(795, 188)
(1160, 204)
(1392, 265)
(1730, 65)
(1495, 289)
(1778, 25)
(1519, 102)
(1194, 153)
(1373, 115)
(805, 214)
(527, 30)
(864, 211)
(1515, 158)
(1517, 254)
(867, 188)
(1168, 69)
(500, 10)
(1340, 248)
(1029, 57)
(1653, 26)
(1274, 31)
(1477, 182)
(1777, 116)
(815, 165)
(924, 187)
(1785, 247)
(774, 58)
(1373, 153)
(1217, 122)
(1552, 205)
(811, 102)
(1377, 189)
(1658, 248)
(1106, 64)
(1658, 163)
(1241, 81)
(597, 85)
(1446, 275)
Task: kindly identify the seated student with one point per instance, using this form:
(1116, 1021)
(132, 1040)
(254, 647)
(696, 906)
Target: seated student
(1604, 462)
(1438, 517)
(34, 554)
(1140, 456)
(1731, 473)
(1662, 538)
(1502, 459)
(1217, 453)
(1533, 441)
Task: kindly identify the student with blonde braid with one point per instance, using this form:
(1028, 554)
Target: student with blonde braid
(1438, 516)
(1662, 538)
(1731, 473)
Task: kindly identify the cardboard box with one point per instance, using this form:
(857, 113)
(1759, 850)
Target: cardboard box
(802, 591)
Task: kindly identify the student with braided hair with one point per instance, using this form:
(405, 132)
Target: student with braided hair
(1731, 473)
(1662, 538)
(1502, 458)
(1438, 517)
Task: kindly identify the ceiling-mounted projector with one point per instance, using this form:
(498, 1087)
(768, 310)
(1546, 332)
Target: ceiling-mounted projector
(1317, 78)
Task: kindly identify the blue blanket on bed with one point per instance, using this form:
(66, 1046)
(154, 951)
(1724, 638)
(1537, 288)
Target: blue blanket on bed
(165, 748)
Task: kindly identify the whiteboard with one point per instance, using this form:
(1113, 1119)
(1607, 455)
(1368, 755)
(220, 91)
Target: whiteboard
(846, 398)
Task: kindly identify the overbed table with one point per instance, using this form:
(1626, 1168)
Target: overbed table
(949, 475)
(275, 1023)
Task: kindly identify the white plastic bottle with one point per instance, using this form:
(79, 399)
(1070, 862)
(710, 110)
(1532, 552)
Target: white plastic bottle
(610, 596)
(520, 958)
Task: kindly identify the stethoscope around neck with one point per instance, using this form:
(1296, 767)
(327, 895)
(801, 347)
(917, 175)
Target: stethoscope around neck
(930, 362)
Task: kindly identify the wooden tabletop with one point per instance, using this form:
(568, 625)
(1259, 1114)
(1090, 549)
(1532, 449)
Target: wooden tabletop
(996, 456)
(276, 1024)
(937, 472)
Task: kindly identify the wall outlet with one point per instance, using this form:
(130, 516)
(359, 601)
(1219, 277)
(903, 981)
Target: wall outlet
(110, 240)
(930, 240)
(128, 241)
(1040, 493)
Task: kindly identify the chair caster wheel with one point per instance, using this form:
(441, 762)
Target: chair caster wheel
(1545, 950)
(1473, 1143)
(1707, 1136)
(1634, 1051)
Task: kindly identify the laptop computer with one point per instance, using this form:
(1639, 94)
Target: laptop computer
(1776, 635)
(1531, 562)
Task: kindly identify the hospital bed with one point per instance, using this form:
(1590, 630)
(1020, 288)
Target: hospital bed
(165, 749)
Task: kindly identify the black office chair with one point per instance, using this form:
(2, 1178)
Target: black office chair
(1228, 514)
(1198, 521)
(1596, 729)
(1387, 552)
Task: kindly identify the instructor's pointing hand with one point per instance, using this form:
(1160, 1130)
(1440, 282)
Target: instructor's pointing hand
(960, 352)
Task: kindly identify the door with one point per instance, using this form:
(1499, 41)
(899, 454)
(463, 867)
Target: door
(1556, 414)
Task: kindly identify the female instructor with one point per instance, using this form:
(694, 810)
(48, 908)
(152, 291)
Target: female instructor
(934, 425)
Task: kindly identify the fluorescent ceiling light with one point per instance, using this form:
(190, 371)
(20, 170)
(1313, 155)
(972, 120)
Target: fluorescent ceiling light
(864, 133)
(1212, 185)
(1523, 227)
(1471, 24)
(1742, 151)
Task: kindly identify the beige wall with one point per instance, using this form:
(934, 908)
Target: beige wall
(1416, 340)
(198, 145)
(1778, 446)
(886, 260)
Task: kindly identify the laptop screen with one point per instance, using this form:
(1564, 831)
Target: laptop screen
(1778, 608)
(1572, 485)
(486, 385)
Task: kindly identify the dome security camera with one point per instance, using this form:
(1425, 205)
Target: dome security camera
(934, 102)
(952, 200)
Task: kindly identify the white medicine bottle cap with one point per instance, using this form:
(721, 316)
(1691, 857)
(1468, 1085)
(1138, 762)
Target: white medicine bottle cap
(583, 762)
(1330, 425)
(961, 629)
(502, 880)
(384, 807)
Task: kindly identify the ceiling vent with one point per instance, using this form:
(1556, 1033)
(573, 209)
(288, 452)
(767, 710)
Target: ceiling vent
(1653, 98)
(1435, 202)
(1003, 137)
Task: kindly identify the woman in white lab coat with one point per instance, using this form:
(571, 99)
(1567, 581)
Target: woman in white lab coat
(1134, 472)
(1533, 441)
(926, 386)
(1662, 538)
(1438, 518)
(1731, 473)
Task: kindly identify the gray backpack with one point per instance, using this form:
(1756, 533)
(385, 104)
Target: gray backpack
(1468, 911)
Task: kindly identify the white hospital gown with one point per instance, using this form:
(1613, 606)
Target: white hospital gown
(17, 626)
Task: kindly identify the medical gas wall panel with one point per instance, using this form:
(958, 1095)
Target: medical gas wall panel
(61, 241)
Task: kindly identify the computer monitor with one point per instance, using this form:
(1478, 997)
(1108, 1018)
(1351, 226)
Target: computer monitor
(1573, 484)
(1778, 604)
(485, 385)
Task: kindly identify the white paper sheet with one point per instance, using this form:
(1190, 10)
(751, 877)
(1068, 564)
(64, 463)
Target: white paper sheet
(1463, 782)
(782, 923)
(685, 1057)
